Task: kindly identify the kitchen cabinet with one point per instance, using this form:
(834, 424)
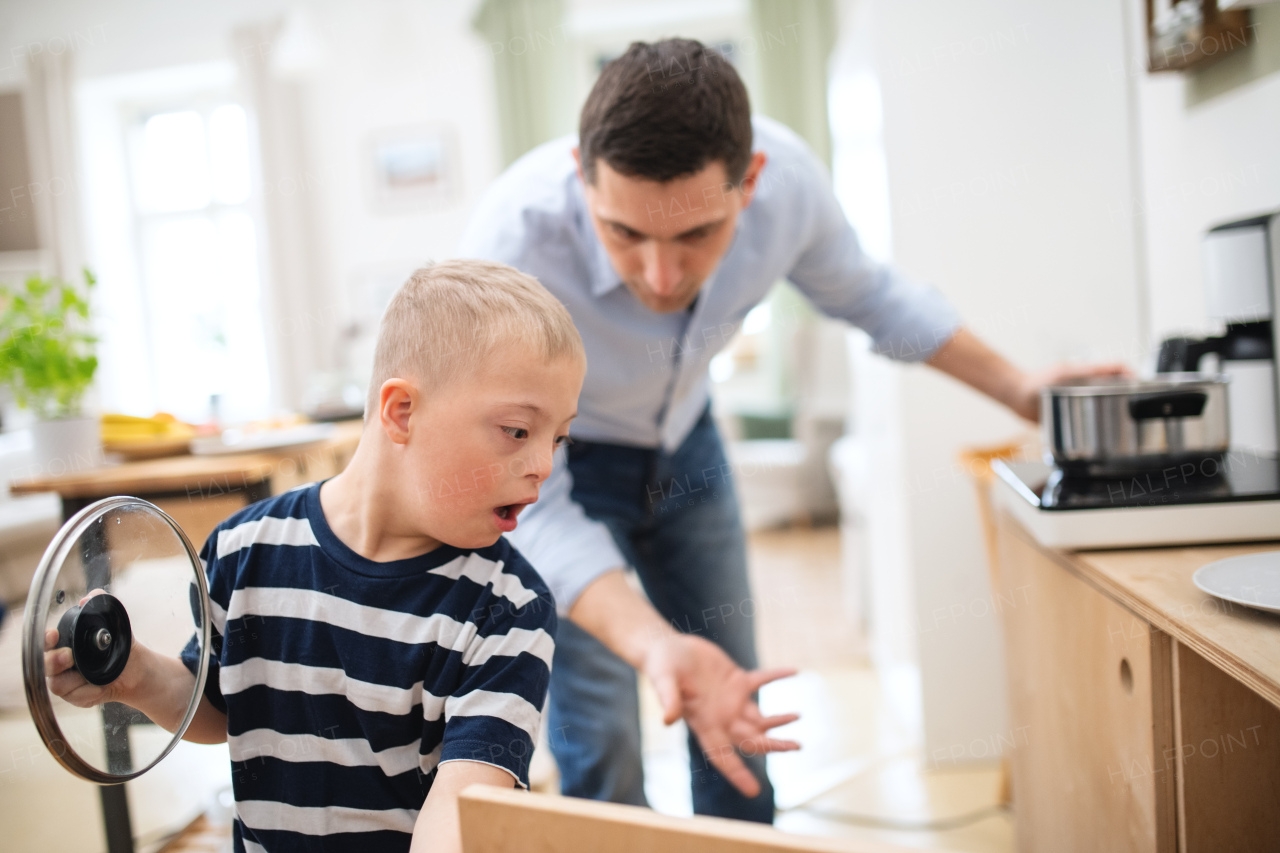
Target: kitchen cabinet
(1147, 713)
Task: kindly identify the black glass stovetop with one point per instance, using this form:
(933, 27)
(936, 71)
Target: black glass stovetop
(1237, 476)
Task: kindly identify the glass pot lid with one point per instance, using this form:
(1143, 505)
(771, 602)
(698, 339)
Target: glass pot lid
(118, 576)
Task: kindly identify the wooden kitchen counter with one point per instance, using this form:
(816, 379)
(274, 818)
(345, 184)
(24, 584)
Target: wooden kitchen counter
(1150, 710)
(1155, 583)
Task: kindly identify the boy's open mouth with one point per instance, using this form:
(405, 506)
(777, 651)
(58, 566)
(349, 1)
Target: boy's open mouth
(506, 515)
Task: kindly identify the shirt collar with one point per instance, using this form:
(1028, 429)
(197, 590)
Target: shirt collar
(603, 276)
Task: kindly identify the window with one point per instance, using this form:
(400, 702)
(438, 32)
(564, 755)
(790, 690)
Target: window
(198, 260)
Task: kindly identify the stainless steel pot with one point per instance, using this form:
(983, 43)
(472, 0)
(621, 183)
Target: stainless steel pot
(1114, 426)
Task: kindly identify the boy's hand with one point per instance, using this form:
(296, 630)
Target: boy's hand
(696, 680)
(71, 686)
(160, 687)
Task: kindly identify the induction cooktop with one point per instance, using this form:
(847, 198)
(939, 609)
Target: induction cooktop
(1242, 476)
(1232, 499)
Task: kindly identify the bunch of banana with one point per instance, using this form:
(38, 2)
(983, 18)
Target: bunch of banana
(123, 433)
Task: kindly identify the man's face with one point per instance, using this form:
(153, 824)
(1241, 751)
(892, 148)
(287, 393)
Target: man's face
(478, 449)
(665, 239)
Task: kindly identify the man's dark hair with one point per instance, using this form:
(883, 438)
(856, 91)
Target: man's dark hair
(666, 110)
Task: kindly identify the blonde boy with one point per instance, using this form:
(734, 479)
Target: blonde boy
(377, 644)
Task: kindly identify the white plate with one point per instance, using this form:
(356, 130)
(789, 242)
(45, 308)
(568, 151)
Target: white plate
(233, 441)
(1250, 579)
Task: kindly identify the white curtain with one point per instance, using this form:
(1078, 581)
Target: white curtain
(531, 72)
(297, 313)
(55, 184)
(797, 37)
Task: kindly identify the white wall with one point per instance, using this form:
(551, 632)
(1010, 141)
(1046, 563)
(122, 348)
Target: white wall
(1205, 161)
(409, 65)
(1007, 140)
(388, 64)
(1058, 194)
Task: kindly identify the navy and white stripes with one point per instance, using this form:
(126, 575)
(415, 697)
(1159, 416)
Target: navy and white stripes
(347, 682)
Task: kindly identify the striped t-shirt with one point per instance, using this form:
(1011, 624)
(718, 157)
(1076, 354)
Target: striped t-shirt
(346, 682)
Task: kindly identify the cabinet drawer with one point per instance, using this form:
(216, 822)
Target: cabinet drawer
(1089, 684)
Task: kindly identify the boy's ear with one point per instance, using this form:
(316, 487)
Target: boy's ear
(397, 399)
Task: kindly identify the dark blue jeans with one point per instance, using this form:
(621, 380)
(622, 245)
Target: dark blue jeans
(675, 518)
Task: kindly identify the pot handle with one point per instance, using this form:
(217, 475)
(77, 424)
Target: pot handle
(1177, 404)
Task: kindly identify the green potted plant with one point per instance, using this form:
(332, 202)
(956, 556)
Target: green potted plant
(47, 363)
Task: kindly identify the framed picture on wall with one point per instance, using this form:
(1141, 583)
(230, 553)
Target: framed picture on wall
(412, 168)
(1184, 34)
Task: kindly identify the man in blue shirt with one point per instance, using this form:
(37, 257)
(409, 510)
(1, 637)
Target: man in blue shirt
(666, 221)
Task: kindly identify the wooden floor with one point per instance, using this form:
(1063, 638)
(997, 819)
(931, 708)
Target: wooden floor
(860, 773)
(800, 611)
(200, 837)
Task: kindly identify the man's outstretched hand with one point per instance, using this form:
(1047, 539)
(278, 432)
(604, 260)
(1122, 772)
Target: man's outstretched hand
(1025, 399)
(971, 361)
(696, 680)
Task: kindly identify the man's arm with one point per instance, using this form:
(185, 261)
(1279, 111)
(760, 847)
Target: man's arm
(694, 678)
(968, 359)
(437, 829)
(906, 320)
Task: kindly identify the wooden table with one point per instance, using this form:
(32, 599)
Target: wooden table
(201, 491)
(1151, 709)
(198, 492)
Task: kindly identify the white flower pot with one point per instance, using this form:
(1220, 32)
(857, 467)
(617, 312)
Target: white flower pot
(67, 445)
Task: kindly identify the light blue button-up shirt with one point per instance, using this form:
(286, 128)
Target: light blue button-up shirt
(647, 379)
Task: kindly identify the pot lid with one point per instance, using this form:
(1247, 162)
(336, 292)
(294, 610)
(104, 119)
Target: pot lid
(1095, 386)
(118, 574)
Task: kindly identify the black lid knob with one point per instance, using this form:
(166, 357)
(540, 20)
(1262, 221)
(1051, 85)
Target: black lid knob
(99, 636)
